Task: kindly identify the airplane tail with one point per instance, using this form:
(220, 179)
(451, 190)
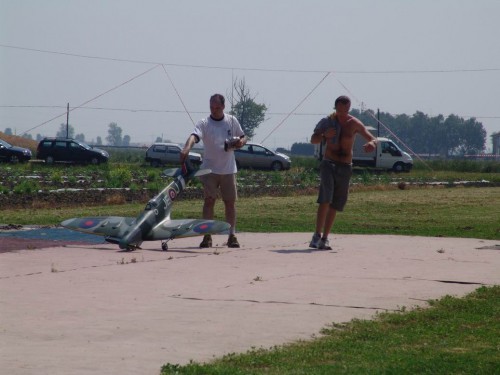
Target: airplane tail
(187, 171)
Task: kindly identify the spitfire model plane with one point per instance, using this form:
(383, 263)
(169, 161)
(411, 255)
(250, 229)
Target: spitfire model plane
(154, 223)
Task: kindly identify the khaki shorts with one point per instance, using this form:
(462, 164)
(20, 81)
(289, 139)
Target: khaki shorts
(226, 183)
(334, 186)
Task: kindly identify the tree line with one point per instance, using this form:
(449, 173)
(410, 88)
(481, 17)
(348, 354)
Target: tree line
(114, 137)
(431, 135)
(422, 134)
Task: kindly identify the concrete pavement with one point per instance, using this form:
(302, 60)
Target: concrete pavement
(91, 309)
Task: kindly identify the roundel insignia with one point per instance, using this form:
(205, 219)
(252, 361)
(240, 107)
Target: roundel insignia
(172, 194)
(88, 223)
(203, 227)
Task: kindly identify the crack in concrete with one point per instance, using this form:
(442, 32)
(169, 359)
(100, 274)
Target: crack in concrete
(281, 303)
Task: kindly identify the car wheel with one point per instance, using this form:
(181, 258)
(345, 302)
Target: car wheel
(94, 161)
(155, 163)
(398, 167)
(49, 160)
(14, 159)
(276, 166)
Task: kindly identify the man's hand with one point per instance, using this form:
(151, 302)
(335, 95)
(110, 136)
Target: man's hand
(241, 142)
(370, 146)
(329, 135)
(183, 156)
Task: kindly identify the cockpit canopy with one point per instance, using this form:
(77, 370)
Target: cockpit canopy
(151, 205)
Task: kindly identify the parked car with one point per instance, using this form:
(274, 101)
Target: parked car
(253, 155)
(168, 153)
(69, 150)
(13, 154)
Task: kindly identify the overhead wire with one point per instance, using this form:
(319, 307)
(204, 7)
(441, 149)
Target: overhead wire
(297, 106)
(90, 100)
(177, 92)
(163, 64)
(203, 111)
(397, 71)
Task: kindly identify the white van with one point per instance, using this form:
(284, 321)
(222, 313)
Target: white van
(387, 155)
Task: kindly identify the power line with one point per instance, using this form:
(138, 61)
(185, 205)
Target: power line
(133, 110)
(94, 98)
(297, 106)
(282, 70)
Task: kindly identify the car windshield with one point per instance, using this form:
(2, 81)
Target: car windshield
(5, 144)
(84, 145)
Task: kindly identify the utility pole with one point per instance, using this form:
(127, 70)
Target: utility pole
(378, 122)
(67, 122)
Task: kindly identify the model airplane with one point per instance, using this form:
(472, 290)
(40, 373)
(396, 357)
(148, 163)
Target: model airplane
(154, 223)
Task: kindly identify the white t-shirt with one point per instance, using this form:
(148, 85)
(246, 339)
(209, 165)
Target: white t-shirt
(213, 133)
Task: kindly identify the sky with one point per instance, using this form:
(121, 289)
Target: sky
(151, 65)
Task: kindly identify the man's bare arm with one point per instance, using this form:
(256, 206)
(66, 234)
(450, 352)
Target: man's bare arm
(187, 147)
(371, 145)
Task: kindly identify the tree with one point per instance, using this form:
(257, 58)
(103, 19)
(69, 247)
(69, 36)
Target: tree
(8, 131)
(249, 114)
(80, 137)
(62, 131)
(473, 137)
(114, 137)
(126, 140)
(423, 134)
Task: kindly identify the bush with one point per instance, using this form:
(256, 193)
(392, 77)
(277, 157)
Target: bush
(120, 177)
(26, 187)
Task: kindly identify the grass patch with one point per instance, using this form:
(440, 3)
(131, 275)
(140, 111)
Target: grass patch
(453, 336)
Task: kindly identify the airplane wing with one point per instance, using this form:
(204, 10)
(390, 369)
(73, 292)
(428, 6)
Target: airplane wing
(170, 229)
(109, 226)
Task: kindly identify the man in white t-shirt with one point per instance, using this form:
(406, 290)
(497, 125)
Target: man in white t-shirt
(215, 131)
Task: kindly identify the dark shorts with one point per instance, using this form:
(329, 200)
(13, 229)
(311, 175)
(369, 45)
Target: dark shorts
(334, 185)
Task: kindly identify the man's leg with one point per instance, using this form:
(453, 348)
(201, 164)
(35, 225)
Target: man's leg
(324, 198)
(321, 216)
(229, 195)
(330, 219)
(208, 208)
(210, 185)
(230, 212)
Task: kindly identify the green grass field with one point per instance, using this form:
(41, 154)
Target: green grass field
(449, 212)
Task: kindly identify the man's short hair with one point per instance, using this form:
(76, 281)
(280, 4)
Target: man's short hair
(342, 100)
(219, 97)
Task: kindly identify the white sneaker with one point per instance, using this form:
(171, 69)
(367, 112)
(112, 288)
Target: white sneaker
(315, 240)
(324, 244)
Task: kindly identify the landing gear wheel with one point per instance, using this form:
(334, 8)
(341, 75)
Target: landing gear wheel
(164, 246)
